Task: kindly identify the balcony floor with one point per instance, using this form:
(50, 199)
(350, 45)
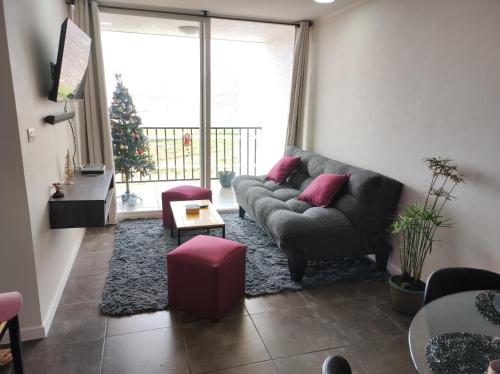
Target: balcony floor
(150, 193)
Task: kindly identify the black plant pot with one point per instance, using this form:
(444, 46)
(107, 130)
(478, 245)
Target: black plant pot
(403, 300)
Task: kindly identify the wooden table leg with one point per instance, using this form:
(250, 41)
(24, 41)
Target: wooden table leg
(178, 237)
(224, 232)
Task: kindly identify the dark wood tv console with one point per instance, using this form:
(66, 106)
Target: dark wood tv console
(85, 203)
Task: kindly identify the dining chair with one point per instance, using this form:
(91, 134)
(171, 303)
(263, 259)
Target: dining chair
(446, 281)
(10, 305)
(336, 365)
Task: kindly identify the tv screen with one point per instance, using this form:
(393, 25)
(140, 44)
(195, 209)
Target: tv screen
(72, 61)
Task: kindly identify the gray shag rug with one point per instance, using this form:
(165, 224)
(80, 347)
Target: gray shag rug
(137, 280)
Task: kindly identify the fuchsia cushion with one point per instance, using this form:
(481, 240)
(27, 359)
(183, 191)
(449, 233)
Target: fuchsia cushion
(323, 188)
(206, 276)
(10, 305)
(280, 172)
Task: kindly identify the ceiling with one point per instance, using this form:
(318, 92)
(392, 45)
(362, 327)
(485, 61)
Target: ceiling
(221, 29)
(283, 10)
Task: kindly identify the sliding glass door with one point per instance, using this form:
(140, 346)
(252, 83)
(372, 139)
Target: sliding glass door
(212, 96)
(251, 67)
(159, 61)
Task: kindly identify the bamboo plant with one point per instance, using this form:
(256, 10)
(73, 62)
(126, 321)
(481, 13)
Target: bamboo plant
(418, 223)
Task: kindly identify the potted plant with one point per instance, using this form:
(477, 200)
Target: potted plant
(132, 199)
(416, 227)
(225, 178)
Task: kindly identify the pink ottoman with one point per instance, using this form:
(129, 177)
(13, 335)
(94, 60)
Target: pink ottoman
(178, 194)
(206, 276)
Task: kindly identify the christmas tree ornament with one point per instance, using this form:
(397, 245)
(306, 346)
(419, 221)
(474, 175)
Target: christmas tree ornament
(186, 141)
(69, 176)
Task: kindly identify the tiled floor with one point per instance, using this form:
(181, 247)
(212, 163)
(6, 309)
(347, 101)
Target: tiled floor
(283, 333)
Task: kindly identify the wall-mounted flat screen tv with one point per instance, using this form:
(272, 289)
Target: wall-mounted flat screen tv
(72, 61)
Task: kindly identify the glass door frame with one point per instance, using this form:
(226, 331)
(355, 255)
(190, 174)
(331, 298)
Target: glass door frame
(205, 102)
(204, 39)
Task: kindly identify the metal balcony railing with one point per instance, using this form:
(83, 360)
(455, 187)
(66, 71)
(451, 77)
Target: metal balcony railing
(176, 152)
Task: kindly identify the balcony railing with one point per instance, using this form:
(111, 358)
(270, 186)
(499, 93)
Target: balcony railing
(176, 152)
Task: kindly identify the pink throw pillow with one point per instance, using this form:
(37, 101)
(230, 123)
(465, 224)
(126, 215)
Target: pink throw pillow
(280, 172)
(323, 188)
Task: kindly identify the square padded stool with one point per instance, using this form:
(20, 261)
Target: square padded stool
(178, 194)
(206, 276)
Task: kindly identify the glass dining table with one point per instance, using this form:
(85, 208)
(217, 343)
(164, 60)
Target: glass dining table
(451, 313)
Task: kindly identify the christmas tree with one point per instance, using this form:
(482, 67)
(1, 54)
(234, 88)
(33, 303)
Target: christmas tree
(130, 145)
(68, 169)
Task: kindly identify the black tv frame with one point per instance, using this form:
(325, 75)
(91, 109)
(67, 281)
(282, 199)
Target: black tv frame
(56, 69)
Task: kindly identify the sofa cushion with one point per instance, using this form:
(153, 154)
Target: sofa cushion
(315, 233)
(298, 206)
(285, 194)
(322, 189)
(283, 168)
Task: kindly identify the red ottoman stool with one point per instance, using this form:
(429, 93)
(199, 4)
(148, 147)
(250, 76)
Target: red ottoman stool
(178, 194)
(206, 276)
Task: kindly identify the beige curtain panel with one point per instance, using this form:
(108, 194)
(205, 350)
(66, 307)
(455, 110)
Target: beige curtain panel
(95, 130)
(296, 114)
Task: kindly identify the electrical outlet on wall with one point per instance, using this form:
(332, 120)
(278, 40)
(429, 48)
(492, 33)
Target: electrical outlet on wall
(31, 135)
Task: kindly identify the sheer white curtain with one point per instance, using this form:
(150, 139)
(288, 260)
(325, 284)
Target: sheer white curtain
(95, 130)
(294, 134)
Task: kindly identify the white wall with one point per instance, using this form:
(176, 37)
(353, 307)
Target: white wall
(394, 81)
(17, 265)
(33, 29)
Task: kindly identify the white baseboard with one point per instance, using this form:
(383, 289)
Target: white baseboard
(32, 333)
(41, 331)
(27, 333)
(59, 290)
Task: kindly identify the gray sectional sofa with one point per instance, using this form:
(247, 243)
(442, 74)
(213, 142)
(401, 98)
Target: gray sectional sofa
(355, 223)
